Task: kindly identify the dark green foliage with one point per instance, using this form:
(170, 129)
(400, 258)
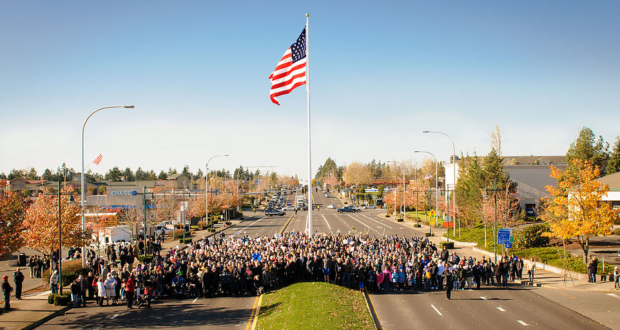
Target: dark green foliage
(613, 165)
(185, 241)
(428, 234)
(62, 300)
(145, 259)
(449, 245)
(586, 148)
(531, 237)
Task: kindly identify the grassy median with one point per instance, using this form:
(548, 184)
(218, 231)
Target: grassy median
(314, 305)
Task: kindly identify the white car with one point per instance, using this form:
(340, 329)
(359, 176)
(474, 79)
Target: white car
(288, 208)
(368, 207)
(331, 206)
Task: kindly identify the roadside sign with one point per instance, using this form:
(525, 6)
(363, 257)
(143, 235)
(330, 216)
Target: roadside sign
(432, 213)
(503, 236)
(508, 245)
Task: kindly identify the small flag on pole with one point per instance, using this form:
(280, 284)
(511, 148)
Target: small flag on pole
(98, 159)
(427, 176)
(290, 72)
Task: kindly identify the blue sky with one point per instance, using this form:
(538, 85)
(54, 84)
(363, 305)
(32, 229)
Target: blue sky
(381, 72)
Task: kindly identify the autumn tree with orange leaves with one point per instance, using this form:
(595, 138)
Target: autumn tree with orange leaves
(13, 208)
(41, 222)
(576, 208)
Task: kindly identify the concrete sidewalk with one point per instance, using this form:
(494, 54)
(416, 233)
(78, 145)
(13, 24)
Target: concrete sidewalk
(542, 278)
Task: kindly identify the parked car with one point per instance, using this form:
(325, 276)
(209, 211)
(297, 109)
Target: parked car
(369, 207)
(349, 208)
(272, 212)
(327, 196)
(331, 206)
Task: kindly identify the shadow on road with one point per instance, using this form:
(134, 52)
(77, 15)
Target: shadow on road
(169, 315)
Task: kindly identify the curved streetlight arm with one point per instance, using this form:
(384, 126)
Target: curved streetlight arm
(454, 178)
(82, 185)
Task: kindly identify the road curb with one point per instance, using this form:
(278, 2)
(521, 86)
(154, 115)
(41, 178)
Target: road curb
(47, 318)
(255, 312)
(371, 310)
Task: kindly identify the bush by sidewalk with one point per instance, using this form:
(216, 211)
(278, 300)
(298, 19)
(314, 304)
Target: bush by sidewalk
(70, 271)
(59, 300)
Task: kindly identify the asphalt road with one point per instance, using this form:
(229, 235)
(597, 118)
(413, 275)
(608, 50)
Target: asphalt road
(202, 313)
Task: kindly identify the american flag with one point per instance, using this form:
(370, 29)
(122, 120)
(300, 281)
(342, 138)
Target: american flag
(290, 73)
(427, 176)
(98, 159)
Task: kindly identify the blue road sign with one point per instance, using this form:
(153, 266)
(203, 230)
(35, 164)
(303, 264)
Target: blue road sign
(503, 236)
(508, 245)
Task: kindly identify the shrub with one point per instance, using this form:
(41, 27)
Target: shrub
(145, 259)
(400, 219)
(211, 230)
(194, 227)
(176, 234)
(185, 241)
(228, 223)
(616, 231)
(417, 225)
(70, 271)
(429, 234)
(532, 237)
(449, 245)
(50, 298)
(62, 300)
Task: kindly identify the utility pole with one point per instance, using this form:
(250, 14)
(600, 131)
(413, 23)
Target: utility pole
(60, 242)
(495, 223)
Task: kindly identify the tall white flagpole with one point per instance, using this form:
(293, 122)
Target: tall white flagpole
(309, 136)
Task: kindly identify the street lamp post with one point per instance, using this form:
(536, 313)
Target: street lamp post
(82, 175)
(436, 190)
(403, 165)
(454, 178)
(207, 187)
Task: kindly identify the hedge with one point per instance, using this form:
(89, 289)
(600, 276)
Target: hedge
(70, 271)
(228, 223)
(429, 234)
(59, 300)
(211, 230)
(145, 259)
(176, 234)
(449, 245)
(185, 241)
(417, 225)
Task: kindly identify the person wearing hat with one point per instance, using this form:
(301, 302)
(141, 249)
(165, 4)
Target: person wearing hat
(18, 279)
(6, 290)
(130, 289)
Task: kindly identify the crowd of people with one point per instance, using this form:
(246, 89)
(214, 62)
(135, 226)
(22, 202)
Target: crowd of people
(240, 265)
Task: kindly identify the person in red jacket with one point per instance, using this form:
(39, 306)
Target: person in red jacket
(130, 288)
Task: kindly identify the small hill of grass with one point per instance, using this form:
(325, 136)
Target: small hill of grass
(314, 305)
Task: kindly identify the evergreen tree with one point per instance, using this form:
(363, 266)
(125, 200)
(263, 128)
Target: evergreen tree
(199, 175)
(162, 175)
(128, 175)
(172, 171)
(613, 166)
(114, 174)
(15, 173)
(2, 176)
(141, 175)
(152, 175)
(187, 172)
(47, 175)
(586, 148)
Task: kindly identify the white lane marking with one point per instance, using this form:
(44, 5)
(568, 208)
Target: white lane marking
(501, 309)
(484, 298)
(330, 227)
(113, 317)
(470, 290)
(523, 323)
(370, 228)
(195, 300)
(250, 225)
(379, 222)
(613, 295)
(436, 310)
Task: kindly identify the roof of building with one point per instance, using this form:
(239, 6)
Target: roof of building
(534, 160)
(612, 180)
(175, 176)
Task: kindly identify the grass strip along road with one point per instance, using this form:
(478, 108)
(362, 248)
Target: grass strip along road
(314, 305)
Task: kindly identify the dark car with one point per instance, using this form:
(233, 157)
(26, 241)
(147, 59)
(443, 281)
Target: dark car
(272, 212)
(349, 209)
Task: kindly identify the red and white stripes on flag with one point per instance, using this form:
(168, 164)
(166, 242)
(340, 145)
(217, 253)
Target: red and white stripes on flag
(98, 159)
(290, 72)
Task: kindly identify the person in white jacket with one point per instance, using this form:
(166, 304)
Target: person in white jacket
(54, 282)
(110, 289)
(101, 292)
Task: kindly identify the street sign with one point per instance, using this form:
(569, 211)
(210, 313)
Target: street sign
(508, 245)
(432, 213)
(503, 236)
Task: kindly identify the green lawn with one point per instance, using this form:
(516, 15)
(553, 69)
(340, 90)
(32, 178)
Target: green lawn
(314, 305)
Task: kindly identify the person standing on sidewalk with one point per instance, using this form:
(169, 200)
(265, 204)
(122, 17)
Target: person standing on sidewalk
(75, 293)
(6, 290)
(130, 289)
(449, 278)
(18, 279)
(83, 289)
(592, 267)
(54, 282)
(531, 268)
